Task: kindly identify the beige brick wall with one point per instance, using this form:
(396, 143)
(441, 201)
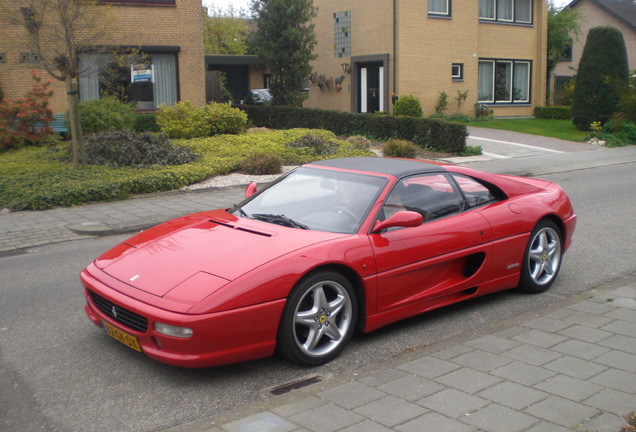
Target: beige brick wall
(371, 33)
(427, 47)
(593, 16)
(179, 25)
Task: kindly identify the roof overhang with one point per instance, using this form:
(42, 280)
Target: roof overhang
(233, 60)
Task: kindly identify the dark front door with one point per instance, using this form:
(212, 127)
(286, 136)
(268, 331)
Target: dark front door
(370, 91)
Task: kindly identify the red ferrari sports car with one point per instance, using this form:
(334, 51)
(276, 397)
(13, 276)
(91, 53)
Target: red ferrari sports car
(326, 249)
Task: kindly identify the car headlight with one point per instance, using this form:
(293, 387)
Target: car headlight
(175, 331)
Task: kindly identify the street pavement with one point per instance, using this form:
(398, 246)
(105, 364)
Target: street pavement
(569, 367)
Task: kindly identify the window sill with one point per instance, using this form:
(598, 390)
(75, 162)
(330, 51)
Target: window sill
(506, 23)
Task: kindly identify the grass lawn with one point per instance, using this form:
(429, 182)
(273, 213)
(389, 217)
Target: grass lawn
(563, 129)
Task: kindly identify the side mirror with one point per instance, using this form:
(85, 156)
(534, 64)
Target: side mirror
(401, 219)
(250, 189)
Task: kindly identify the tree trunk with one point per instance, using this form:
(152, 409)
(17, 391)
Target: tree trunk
(77, 140)
(69, 97)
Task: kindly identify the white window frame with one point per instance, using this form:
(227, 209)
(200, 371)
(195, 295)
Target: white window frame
(527, 83)
(511, 78)
(493, 6)
(460, 71)
(447, 12)
(530, 4)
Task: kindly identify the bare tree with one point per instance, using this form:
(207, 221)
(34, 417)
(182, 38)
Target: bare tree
(58, 31)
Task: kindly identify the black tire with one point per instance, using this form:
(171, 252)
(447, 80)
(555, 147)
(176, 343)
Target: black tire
(318, 319)
(542, 259)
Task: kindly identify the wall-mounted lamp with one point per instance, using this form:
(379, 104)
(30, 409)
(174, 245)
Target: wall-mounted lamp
(345, 68)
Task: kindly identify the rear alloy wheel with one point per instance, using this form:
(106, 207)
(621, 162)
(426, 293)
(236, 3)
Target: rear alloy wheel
(542, 260)
(318, 319)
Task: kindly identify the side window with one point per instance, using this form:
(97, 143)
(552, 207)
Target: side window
(476, 193)
(431, 195)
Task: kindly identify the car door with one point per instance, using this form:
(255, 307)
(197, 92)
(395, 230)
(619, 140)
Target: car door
(436, 259)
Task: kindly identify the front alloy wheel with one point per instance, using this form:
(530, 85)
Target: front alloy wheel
(318, 320)
(542, 259)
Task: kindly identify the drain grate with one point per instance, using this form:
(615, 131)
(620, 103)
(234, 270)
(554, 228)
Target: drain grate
(286, 388)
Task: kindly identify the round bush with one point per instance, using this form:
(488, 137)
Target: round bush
(223, 119)
(182, 120)
(262, 163)
(408, 106)
(128, 148)
(106, 114)
(400, 149)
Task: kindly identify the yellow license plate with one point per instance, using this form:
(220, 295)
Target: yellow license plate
(123, 337)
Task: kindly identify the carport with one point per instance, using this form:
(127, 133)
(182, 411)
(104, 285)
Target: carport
(242, 73)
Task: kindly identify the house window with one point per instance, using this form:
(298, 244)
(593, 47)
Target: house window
(566, 55)
(504, 81)
(142, 2)
(508, 11)
(457, 71)
(342, 34)
(149, 81)
(29, 58)
(3, 58)
(439, 7)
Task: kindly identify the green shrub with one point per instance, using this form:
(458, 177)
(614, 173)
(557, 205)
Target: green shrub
(261, 163)
(553, 112)
(427, 133)
(35, 178)
(315, 144)
(442, 103)
(223, 119)
(602, 76)
(128, 148)
(146, 122)
(106, 114)
(184, 120)
(400, 149)
(408, 106)
(619, 131)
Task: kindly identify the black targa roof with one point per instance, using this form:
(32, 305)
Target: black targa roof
(394, 167)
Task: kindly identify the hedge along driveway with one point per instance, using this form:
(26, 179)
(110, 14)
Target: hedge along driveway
(43, 178)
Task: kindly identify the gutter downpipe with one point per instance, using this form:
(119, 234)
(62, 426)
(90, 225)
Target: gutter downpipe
(394, 48)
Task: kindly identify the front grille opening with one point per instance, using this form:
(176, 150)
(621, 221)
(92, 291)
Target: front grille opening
(120, 314)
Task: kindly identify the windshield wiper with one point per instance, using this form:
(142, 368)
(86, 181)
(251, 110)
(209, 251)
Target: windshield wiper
(280, 220)
(240, 210)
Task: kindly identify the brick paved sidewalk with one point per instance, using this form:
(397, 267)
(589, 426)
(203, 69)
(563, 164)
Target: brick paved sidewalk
(573, 368)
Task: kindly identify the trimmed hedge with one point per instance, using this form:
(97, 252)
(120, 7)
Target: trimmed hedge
(553, 112)
(426, 133)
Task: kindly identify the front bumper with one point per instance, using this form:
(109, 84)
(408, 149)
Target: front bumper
(218, 338)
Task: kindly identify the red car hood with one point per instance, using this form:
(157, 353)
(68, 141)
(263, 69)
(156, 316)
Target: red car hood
(215, 243)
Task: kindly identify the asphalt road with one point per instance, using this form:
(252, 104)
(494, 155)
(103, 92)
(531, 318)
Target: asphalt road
(58, 372)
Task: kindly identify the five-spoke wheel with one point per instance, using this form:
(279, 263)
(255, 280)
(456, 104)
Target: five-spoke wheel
(318, 320)
(542, 259)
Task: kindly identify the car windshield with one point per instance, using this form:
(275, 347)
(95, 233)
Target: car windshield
(316, 199)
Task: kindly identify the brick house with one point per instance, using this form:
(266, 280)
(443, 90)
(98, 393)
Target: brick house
(620, 14)
(370, 51)
(169, 32)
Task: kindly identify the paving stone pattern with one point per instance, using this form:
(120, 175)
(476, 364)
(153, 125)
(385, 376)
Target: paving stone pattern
(572, 369)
